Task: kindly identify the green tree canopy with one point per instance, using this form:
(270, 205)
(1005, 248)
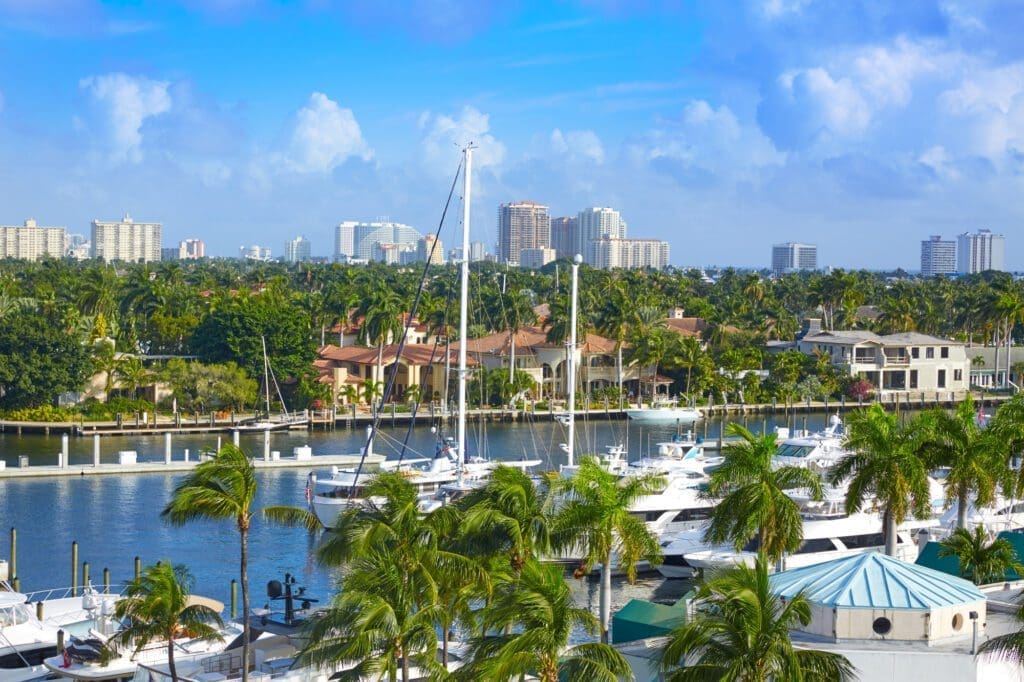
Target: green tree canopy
(38, 362)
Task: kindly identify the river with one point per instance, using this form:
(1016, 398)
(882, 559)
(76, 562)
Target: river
(117, 517)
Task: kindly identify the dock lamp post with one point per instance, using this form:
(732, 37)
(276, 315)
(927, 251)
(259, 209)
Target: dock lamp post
(973, 615)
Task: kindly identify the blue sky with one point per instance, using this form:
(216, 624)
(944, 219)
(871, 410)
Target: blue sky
(722, 127)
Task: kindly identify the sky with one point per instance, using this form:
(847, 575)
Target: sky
(721, 127)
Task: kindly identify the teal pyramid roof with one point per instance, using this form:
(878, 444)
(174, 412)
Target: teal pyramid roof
(873, 580)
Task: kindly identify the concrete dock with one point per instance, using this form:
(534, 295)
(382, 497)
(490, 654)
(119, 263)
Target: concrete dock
(177, 466)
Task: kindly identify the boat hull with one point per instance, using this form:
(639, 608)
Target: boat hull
(657, 415)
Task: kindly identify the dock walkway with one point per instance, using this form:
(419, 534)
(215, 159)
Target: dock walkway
(177, 466)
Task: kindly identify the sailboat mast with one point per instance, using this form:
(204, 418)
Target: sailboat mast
(464, 305)
(577, 259)
(266, 374)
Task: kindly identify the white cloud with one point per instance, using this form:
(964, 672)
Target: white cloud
(707, 144)
(127, 101)
(937, 159)
(325, 136)
(577, 145)
(837, 102)
(774, 9)
(886, 75)
(443, 135)
(988, 108)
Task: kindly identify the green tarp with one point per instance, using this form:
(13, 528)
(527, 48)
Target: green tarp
(929, 556)
(640, 619)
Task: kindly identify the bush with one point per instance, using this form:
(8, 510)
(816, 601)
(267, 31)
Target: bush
(42, 413)
(862, 389)
(93, 410)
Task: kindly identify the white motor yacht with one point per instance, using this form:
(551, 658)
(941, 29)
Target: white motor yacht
(664, 412)
(817, 450)
(828, 534)
(26, 639)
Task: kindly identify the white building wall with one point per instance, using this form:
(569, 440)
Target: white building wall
(126, 240)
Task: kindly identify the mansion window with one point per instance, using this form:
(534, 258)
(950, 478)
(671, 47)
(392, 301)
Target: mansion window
(944, 352)
(958, 375)
(915, 352)
(929, 353)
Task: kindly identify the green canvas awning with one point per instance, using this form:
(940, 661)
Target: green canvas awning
(641, 619)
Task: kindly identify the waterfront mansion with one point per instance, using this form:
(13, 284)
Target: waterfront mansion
(908, 362)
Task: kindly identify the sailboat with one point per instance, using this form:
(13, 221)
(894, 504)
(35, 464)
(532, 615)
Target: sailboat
(448, 474)
(269, 421)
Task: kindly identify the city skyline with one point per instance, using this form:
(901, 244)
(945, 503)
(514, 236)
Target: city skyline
(719, 128)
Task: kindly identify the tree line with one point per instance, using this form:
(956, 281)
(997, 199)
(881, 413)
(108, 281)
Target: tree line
(60, 317)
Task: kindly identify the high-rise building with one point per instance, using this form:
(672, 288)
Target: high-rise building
(297, 250)
(979, 252)
(345, 240)
(477, 251)
(32, 242)
(126, 240)
(430, 248)
(191, 249)
(77, 246)
(536, 258)
(563, 237)
(522, 225)
(365, 235)
(615, 252)
(254, 252)
(794, 256)
(938, 257)
(596, 223)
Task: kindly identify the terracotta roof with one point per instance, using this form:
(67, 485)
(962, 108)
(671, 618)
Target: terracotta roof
(687, 326)
(412, 354)
(499, 343)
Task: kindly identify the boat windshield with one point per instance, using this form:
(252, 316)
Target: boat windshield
(793, 450)
(13, 614)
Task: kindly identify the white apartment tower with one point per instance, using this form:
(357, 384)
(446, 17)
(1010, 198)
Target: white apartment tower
(794, 256)
(596, 223)
(938, 257)
(430, 248)
(297, 250)
(563, 237)
(522, 225)
(126, 240)
(979, 252)
(345, 240)
(191, 249)
(630, 254)
(365, 234)
(31, 242)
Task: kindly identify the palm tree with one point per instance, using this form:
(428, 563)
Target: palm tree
(221, 488)
(755, 503)
(395, 568)
(981, 561)
(156, 606)
(884, 467)
(133, 375)
(536, 616)
(595, 518)
(518, 312)
(972, 455)
(509, 515)
(381, 310)
(614, 319)
(741, 633)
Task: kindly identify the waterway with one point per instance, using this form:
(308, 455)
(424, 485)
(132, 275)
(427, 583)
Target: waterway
(117, 517)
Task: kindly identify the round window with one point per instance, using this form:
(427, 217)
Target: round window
(958, 621)
(882, 626)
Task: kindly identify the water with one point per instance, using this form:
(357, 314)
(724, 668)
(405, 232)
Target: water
(117, 517)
